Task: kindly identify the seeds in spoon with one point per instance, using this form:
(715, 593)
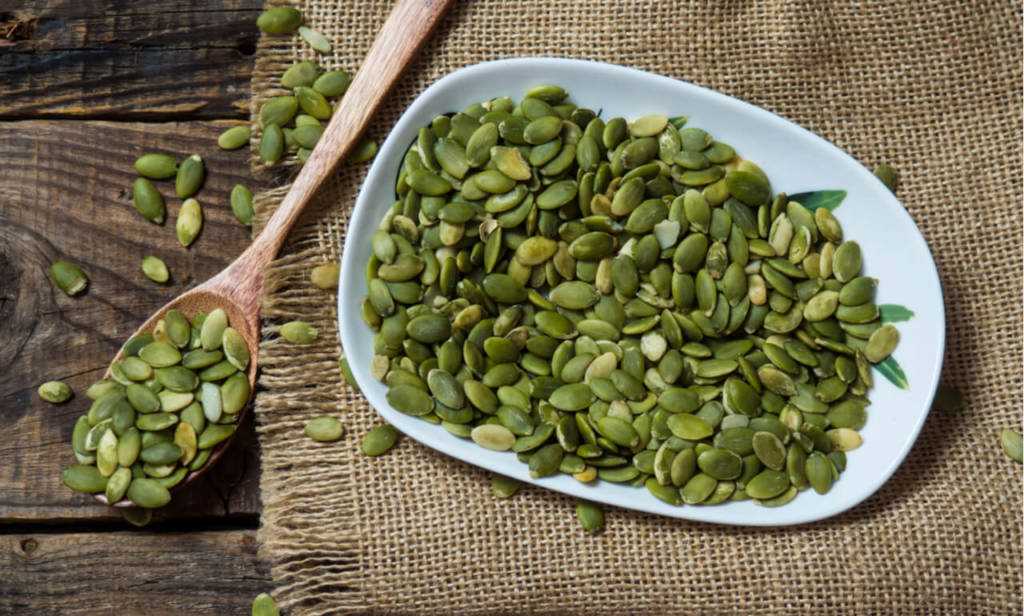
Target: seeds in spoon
(142, 437)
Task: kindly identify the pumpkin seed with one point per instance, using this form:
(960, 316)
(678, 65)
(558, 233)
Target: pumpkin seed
(68, 277)
(279, 20)
(888, 176)
(272, 143)
(148, 493)
(590, 516)
(314, 39)
(190, 176)
(54, 392)
(504, 487)
(84, 478)
(379, 440)
(189, 223)
(324, 429)
(234, 138)
(1010, 441)
(241, 204)
(148, 201)
(819, 472)
(493, 436)
(155, 269)
(156, 166)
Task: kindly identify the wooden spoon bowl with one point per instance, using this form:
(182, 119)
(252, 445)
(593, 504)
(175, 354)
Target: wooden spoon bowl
(238, 290)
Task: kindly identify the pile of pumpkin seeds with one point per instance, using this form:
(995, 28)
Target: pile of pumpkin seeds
(625, 301)
(173, 397)
(293, 123)
(284, 129)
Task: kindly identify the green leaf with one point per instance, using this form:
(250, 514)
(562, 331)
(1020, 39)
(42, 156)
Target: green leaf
(894, 313)
(890, 369)
(678, 121)
(828, 199)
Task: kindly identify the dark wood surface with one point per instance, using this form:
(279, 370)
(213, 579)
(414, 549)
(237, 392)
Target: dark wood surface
(85, 87)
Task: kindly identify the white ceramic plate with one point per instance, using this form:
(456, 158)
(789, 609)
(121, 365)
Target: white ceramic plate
(795, 160)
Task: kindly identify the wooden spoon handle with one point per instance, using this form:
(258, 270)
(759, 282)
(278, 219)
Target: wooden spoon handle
(406, 28)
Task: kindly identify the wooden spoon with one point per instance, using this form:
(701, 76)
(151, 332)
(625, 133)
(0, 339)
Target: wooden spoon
(239, 288)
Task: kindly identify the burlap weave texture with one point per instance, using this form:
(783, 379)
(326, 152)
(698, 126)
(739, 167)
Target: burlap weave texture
(933, 88)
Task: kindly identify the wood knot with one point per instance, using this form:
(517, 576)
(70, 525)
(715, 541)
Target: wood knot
(28, 546)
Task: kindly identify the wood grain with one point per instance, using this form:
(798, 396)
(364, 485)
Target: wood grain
(140, 572)
(126, 59)
(65, 192)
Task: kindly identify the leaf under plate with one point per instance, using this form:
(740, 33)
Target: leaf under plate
(828, 199)
(891, 370)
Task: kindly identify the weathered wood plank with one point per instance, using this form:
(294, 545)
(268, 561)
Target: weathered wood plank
(65, 192)
(123, 59)
(144, 572)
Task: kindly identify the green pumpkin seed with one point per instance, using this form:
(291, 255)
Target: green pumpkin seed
(845, 439)
(156, 166)
(148, 493)
(214, 434)
(332, 84)
(190, 176)
(698, 489)
(590, 516)
(888, 175)
(241, 204)
(504, 487)
(84, 478)
(767, 484)
(769, 450)
(148, 201)
(314, 39)
(54, 392)
(155, 269)
(1011, 443)
(272, 144)
(234, 393)
(819, 472)
(234, 137)
(279, 20)
(493, 436)
(882, 343)
(324, 429)
(68, 277)
(235, 348)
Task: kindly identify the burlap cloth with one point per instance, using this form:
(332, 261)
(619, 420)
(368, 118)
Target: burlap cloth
(933, 88)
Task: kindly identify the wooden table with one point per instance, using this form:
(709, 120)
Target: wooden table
(86, 86)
